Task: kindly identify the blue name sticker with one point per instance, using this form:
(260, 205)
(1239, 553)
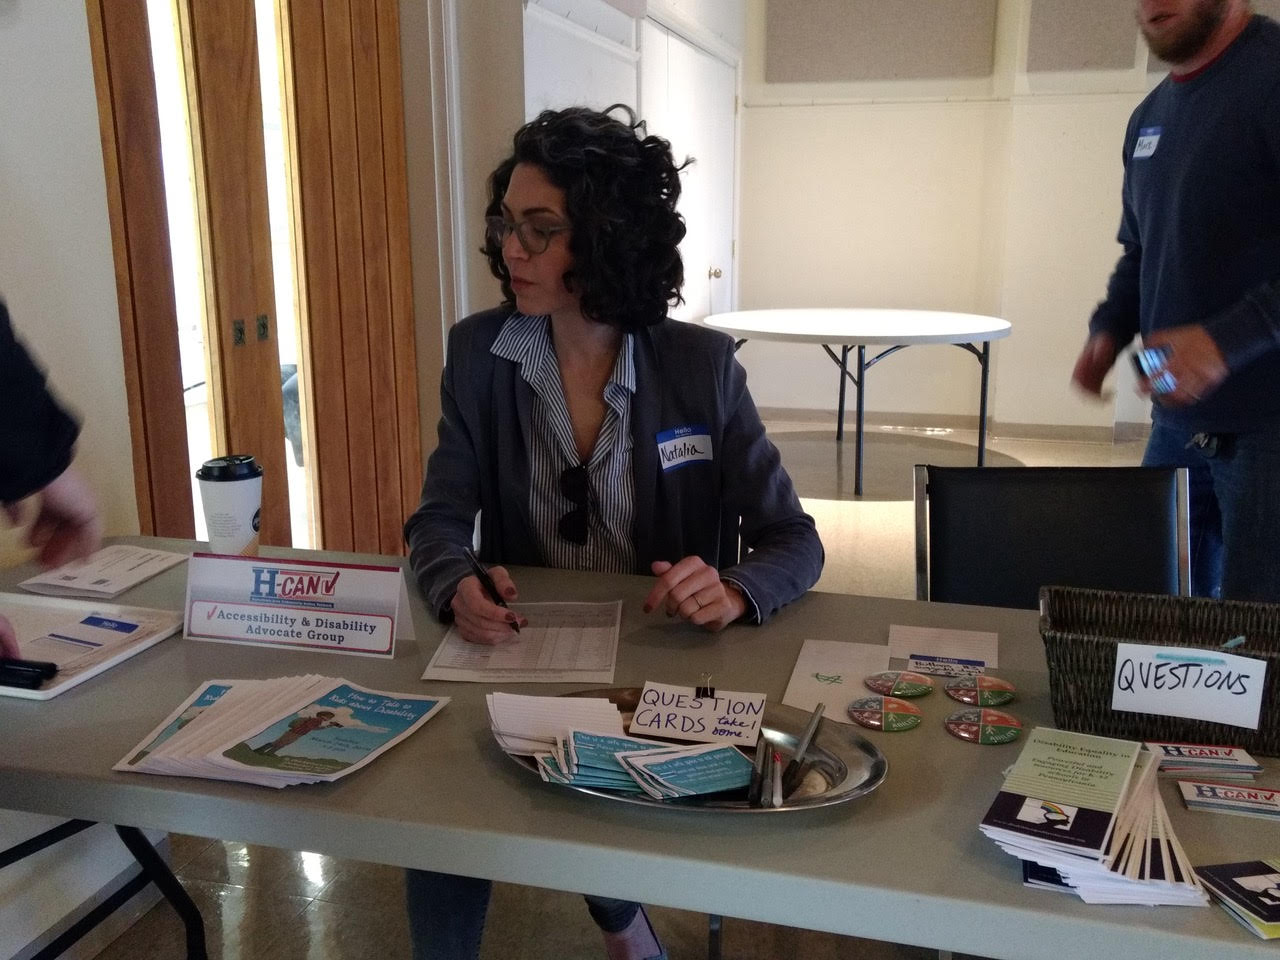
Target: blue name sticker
(1148, 138)
(684, 445)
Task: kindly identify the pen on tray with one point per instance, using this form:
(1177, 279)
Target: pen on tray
(777, 780)
(756, 789)
(486, 582)
(792, 776)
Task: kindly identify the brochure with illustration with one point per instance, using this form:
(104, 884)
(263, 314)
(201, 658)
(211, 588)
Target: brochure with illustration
(1250, 892)
(1064, 791)
(279, 732)
(1084, 815)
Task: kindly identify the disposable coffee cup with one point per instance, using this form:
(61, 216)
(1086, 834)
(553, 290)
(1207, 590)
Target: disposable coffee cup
(231, 492)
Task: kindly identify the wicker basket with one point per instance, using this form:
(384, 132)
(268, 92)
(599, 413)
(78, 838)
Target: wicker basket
(1082, 627)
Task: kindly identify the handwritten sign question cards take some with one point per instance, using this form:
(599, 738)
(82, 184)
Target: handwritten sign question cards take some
(1188, 682)
(678, 713)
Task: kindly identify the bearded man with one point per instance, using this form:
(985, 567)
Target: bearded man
(1200, 280)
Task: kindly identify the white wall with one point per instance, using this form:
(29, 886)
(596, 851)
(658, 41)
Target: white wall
(997, 196)
(57, 274)
(56, 268)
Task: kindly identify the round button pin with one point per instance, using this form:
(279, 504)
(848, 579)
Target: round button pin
(884, 713)
(899, 683)
(983, 725)
(980, 690)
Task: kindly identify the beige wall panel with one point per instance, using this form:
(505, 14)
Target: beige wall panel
(1081, 35)
(835, 41)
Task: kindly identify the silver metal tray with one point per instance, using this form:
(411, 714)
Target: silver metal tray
(843, 764)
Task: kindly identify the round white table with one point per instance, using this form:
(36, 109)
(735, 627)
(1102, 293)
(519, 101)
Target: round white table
(862, 327)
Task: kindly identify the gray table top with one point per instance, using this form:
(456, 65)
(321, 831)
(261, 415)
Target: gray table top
(905, 863)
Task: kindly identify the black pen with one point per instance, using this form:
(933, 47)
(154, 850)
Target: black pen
(487, 583)
(27, 674)
(791, 778)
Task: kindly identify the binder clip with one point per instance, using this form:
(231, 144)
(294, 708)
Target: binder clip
(704, 687)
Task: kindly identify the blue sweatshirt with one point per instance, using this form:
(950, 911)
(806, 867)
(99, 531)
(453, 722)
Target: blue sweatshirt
(1201, 227)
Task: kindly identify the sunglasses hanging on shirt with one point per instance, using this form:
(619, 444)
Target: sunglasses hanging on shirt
(575, 486)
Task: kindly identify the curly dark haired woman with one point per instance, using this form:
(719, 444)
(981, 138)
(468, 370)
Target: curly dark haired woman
(590, 432)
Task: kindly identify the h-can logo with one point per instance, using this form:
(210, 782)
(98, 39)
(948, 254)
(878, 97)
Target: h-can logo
(299, 588)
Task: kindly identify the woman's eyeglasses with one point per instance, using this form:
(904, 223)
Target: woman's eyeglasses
(576, 487)
(534, 236)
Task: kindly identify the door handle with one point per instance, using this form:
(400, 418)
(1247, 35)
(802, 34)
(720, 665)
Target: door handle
(715, 273)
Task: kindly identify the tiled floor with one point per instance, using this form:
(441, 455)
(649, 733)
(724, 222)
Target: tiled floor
(259, 902)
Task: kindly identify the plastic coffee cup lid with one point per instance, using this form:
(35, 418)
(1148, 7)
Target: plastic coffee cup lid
(980, 690)
(980, 725)
(235, 466)
(884, 713)
(900, 683)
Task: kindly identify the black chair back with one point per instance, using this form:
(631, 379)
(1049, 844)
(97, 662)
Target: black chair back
(995, 535)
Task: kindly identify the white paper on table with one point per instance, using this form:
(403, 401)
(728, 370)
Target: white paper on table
(831, 672)
(563, 643)
(943, 642)
(81, 650)
(108, 573)
(1188, 682)
(527, 725)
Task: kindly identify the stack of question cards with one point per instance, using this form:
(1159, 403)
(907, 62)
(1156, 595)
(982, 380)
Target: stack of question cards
(279, 732)
(580, 742)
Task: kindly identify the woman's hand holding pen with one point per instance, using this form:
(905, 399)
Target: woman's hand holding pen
(479, 619)
(692, 589)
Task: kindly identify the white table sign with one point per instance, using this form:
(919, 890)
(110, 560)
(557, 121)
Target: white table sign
(1188, 682)
(308, 604)
(677, 713)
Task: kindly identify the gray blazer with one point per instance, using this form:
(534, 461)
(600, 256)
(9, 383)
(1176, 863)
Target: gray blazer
(685, 375)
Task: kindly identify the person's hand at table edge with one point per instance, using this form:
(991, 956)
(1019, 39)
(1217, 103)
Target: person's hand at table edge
(479, 619)
(692, 589)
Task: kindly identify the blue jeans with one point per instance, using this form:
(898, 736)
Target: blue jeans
(446, 914)
(1234, 505)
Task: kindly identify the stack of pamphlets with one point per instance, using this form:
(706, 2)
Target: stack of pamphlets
(108, 573)
(1204, 760)
(1086, 813)
(580, 741)
(279, 732)
(1250, 891)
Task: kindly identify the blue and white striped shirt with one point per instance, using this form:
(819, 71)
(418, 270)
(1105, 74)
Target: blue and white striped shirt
(611, 508)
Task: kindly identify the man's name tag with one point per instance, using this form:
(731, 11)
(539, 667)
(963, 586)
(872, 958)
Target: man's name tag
(1148, 139)
(274, 602)
(683, 445)
(1188, 682)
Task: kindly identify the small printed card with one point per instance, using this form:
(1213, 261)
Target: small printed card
(1238, 798)
(678, 713)
(108, 573)
(688, 771)
(828, 671)
(1188, 682)
(308, 604)
(1233, 763)
(906, 642)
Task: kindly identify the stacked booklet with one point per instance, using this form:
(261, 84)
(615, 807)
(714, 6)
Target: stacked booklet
(1201, 760)
(1084, 814)
(279, 732)
(580, 741)
(1238, 798)
(1250, 892)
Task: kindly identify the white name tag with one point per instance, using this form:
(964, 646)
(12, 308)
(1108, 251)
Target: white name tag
(683, 445)
(1148, 139)
(1187, 682)
(274, 602)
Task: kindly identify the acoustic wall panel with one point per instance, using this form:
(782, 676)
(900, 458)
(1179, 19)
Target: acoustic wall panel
(846, 41)
(1081, 35)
